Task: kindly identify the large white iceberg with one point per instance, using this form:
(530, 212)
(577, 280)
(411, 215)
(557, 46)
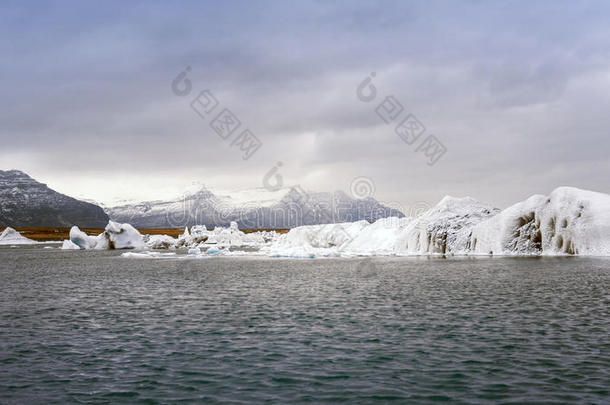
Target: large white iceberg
(444, 229)
(9, 236)
(378, 238)
(316, 240)
(568, 221)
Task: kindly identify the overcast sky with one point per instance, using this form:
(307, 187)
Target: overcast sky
(517, 92)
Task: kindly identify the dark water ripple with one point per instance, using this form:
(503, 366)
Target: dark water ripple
(91, 327)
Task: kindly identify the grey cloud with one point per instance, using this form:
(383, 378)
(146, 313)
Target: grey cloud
(515, 90)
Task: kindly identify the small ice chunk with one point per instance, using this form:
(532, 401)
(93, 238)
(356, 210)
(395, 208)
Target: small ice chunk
(69, 245)
(11, 237)
(147, 255)
(194, 251)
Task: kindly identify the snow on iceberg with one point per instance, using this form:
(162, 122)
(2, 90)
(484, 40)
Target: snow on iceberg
(443, 229)
(378, 238)
(568, 221)
(115, 236)
(316, 240)
(200, 236)
(11, 237)
(124, 236)
(160, 241)
(230, 236)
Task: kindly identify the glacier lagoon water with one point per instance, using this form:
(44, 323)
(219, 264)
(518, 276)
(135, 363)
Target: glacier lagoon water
(92, 327)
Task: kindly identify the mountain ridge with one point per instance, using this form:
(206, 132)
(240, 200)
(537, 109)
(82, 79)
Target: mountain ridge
(285, 208)
(27, 202)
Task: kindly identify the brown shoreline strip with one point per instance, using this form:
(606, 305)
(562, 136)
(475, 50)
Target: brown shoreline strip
(44, 234)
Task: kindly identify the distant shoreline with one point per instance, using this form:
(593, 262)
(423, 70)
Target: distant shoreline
(47, 234)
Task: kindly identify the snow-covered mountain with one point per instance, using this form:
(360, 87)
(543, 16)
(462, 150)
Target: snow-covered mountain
(26, 202)
(257, 208)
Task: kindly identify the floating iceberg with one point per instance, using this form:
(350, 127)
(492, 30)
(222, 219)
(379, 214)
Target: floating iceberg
(84, 241)
(444, 229)
(194, 251)
(11, 237)
(200, 237)
(568, 221)
(69, 245)
(378, 238)
(160, 241)
(124, 236)
(115, 236)
(316, 240)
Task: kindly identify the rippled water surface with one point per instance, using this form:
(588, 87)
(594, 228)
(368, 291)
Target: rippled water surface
(92, 327)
